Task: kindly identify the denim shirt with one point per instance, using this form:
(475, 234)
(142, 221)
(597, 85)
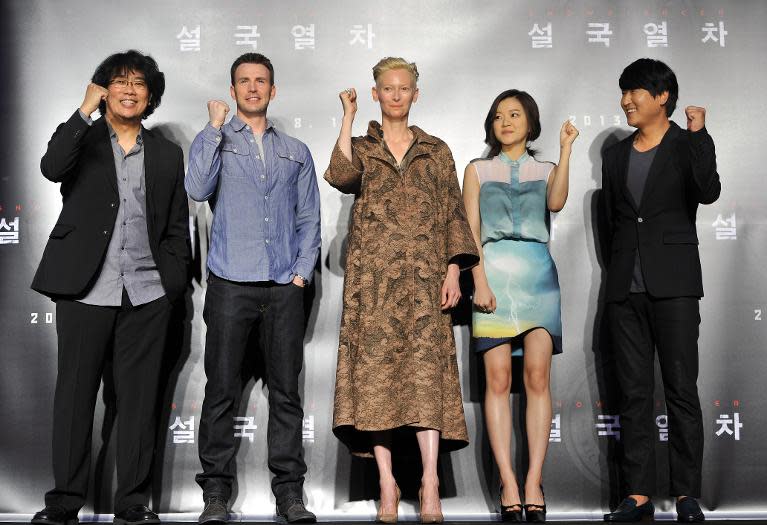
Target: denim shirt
(266, 212)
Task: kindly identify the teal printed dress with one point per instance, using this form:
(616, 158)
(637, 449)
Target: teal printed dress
(518, 265)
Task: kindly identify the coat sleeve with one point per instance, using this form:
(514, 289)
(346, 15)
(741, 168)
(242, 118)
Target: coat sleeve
(343, 174)
(605, 213)
(705, 179)
(461, 248)
(64, 148)
(176, 241)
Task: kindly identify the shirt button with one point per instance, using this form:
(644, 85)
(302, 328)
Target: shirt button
(218, 139)
(112, 205)
(267, 241)
(640, 219)
(234, 149)
(258, 157)
(263, 177)
(290, 157)
(106, 232)
(266, 197)
(266, 219)
(252, 140)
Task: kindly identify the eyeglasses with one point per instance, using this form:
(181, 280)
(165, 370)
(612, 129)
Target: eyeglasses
(138, 84)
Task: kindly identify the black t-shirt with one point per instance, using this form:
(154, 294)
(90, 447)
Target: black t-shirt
(639, 167)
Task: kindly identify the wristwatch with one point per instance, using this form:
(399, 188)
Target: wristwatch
(305, 281)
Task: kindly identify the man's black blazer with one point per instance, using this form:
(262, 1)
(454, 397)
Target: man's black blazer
(80, 157)
(662, 227)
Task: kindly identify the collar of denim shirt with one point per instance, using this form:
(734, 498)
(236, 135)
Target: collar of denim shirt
(237, 124)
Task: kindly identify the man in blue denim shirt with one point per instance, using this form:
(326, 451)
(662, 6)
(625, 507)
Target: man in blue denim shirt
(263, 191)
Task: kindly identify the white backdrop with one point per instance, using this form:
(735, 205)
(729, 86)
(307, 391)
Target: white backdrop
(568, 55)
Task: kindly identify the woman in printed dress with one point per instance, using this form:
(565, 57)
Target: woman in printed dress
(397, 384)
(508, 197)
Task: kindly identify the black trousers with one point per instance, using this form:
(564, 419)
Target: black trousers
(135, 336)
(232, 310)
(639, 325)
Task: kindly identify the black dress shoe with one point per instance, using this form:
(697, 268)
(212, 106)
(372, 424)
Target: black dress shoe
(510, 513)
(629, 511)
(292, 510)
(215, 510)
(536, 513)
(52, 515)
(136, 515)
(688, 511)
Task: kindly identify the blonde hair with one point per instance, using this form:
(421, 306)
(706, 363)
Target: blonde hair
(389, 63)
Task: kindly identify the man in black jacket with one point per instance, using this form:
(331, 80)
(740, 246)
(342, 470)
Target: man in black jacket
(116, 260)
(652, 183)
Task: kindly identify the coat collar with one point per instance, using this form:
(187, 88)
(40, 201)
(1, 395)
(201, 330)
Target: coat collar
(375, 131)
(423, 144)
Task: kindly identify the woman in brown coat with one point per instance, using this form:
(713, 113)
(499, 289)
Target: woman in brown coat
(397, 373)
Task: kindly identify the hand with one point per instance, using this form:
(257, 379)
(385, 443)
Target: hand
(451, 291)
(298, 281)
(94, 94)
(349, 101)
(484, 299)
(696, 117)
(217, 110)
(567, 134)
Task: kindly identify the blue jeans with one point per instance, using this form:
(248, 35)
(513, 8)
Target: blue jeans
(232, 310)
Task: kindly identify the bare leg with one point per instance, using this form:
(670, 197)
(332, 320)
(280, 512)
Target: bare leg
(387, 483)
(538, 352)
(498, 418)
(428, 442)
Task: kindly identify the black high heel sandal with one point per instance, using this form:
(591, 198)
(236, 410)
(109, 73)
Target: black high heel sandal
(510, 513)
(536, 513)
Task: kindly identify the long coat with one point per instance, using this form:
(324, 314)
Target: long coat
(397, 366)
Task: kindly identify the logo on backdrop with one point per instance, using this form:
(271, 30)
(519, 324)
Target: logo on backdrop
(244, 427)
(10, 225)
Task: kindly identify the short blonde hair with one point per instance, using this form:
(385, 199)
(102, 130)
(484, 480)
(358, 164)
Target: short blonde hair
(389, 63)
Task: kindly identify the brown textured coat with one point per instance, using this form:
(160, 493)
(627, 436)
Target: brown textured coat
(397, 367)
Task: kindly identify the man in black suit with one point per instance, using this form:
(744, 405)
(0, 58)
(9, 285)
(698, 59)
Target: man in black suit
(652, 183)
(116, 261)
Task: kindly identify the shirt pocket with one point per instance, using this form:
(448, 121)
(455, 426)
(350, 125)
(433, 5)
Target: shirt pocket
(235, 161)
(290, 166)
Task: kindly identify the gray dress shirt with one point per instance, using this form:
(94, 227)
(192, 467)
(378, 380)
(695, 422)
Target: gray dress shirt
(128, 263)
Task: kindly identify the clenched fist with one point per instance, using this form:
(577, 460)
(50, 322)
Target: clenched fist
(696, 117)
(217, 111)
(94, 94)
(349, 101)
(567, 134)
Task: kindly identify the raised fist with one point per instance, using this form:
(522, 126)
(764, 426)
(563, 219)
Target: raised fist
(94, 94)
(567, 134)
(217, 111)
(349, 101)
(696, 117)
